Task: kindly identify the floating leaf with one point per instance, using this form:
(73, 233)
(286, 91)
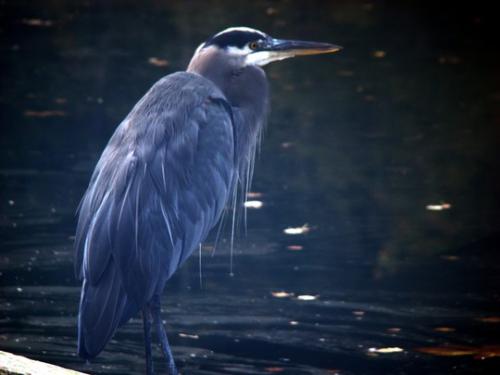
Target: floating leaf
(274, 369)
(388, 350)
(394, 330)
(158, 62)
(271, 11)
(37, 22)
(286, 145)
(254, 194)
(490, 319)
(307, 297)
(444, 329)
(189, 336)
(253, 204)
(281, 294)
(297, 230)
(482, 352)
(438, 207)
(448, 351)
(379, 54)
(488, 351)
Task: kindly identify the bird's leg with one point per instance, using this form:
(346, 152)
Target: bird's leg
(146, 316)
(162, 335)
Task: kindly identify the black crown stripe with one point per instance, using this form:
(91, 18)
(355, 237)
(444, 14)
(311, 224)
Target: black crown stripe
(234, 38)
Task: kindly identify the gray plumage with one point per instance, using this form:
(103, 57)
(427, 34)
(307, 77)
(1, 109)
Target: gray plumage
(163, 181)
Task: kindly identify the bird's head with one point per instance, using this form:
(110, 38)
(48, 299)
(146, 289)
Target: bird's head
(253, 47)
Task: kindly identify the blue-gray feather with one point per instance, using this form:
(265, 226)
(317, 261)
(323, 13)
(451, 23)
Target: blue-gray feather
(160, 185)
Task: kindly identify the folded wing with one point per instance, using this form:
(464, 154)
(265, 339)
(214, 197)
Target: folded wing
(159, 187)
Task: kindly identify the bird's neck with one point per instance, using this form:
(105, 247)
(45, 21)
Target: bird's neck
(245, 87)
(246, 90)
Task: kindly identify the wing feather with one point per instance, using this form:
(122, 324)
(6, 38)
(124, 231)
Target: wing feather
(160, 186)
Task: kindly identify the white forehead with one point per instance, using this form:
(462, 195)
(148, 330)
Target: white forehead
(240, 28)
(198, 49)
(234, 50)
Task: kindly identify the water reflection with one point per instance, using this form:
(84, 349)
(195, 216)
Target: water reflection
(388, 153)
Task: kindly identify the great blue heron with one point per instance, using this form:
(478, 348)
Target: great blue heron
(165, 177)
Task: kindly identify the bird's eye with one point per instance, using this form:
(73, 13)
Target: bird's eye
(253, 45)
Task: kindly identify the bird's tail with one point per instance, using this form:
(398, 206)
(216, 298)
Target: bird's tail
(103, 308)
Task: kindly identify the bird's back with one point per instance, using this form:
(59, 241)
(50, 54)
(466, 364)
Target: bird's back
(159, 187)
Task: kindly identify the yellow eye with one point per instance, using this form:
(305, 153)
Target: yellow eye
(253, 45)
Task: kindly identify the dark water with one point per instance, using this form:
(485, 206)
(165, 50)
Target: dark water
(358, 145)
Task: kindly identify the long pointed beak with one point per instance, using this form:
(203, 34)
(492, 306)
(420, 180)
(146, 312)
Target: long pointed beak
(279, 49)
(290, 48)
